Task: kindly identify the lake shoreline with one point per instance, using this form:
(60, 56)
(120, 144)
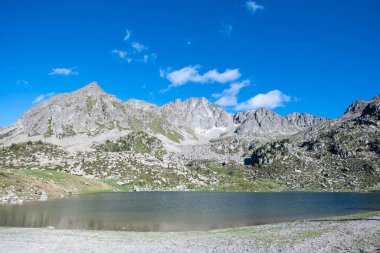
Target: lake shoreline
(18, 185)
(7, 200)
(353, 233)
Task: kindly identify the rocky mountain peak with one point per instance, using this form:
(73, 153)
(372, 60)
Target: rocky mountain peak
(355, 108)
(240, 117)
(92, 88)
(141, 105)
(263, 112)
(304, 120)
(261, 120)
(200, 100)
(85, 111)
(196, 113)
(377, 98)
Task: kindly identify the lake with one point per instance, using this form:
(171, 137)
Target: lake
(183, 211)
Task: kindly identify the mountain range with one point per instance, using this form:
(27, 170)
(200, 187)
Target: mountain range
(90, 112)
(195, 143)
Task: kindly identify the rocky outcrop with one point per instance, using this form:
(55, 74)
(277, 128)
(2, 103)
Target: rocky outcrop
(304, 120)
(372, 109)
(196, 113)
(141, 105)
(355, 109)
(262, 120)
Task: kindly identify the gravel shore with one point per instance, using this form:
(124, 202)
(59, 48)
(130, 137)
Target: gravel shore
(342, 234)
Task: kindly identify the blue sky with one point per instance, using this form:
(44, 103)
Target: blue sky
(307, 56)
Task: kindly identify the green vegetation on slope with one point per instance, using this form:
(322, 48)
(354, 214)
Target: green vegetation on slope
(26, 183)
(49, 132)
(139, 142)
(232, 177)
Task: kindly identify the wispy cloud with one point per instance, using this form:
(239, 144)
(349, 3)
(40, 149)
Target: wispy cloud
(271, 100)
(23, 83)
(42, 98)
(136, 51)
(191, 74)
(226, 30)
(229, 96)
(122, 54)
(145, 58)
(138, 47)
(253, 7)
(128, 35)
(64, 72)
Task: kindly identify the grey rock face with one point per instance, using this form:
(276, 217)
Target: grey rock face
(372, 109)
(88, 110)
(141, 105)
(262, 120)
(355, 108)
(196, 113)
(304, 120)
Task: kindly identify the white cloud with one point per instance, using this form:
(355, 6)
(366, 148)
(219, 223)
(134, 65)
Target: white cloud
(191, 74)
(253, 6)
(128, 35)
(226, 30)
(271, 100)
(138, 47)
(64, 72)
(182, 76)
(146, 58)
(42, 97)
(122, 54)
(135, 51)
(229, 96)
(228, 75)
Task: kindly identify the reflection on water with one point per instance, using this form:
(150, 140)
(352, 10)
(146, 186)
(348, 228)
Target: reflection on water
(182, 211)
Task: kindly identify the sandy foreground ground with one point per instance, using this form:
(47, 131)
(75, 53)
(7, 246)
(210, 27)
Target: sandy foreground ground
(331, 235)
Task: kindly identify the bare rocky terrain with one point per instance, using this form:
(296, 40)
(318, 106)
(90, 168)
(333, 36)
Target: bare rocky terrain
(356, 233)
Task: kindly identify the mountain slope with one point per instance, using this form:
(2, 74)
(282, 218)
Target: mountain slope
(343, 154)
(83, 117)
(195, 143)
(86, 111)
